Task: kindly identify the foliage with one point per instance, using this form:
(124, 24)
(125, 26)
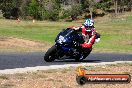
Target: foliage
(51, 9)
(75, 11)
(72, 12)
(56, 9)
(33, 9)
(10, 8)
(89, 6)
(104, 4)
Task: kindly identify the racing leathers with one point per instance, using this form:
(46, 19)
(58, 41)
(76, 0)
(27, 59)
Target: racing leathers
(90, 37)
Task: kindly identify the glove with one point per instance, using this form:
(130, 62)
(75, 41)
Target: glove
(97, 35)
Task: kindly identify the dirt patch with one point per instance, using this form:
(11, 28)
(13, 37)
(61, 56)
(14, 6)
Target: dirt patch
(15, 44)
(63, 78)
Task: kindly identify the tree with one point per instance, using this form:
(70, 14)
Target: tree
(130, 4)
(51, 9)
(33, 9)
(72, 12)
(24, 8)
(88, 6)
(116, 6)
(103, 5)
(10, 8)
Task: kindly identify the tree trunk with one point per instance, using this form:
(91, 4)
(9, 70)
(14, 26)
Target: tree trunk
(131, 5)
(116, 6)
(131, 8)
(91, 12)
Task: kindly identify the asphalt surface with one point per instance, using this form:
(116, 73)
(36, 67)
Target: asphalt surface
(22, 60)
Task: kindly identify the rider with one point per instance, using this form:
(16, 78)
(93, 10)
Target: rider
(89, 33)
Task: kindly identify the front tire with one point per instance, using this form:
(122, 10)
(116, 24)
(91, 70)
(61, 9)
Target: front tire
(50, 54)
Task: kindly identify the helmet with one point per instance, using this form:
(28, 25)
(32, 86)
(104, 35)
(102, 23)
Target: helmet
(88, 22)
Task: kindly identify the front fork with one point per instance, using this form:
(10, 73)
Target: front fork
(59, 52)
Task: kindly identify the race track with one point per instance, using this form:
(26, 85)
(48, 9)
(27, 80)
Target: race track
(35, 59)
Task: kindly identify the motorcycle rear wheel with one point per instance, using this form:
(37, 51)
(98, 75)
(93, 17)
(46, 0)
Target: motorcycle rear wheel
(85, 53)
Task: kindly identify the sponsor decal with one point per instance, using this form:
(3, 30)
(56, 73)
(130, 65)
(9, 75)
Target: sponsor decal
(83, 78)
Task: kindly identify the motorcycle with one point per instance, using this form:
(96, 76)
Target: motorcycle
(66, 46)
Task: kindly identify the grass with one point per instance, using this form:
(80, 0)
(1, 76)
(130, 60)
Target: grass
(39, 31)
(4, 77)
(116, 34)
(120, 64)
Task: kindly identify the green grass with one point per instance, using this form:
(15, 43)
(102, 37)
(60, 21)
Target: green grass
(116, 34)
(40, 31)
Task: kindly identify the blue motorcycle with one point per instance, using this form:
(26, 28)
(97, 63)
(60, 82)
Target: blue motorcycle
(66, 46)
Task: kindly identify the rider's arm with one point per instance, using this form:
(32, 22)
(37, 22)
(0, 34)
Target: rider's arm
(90, 43)
(77, 28)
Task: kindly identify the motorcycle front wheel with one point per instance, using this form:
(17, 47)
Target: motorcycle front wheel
(50, 54)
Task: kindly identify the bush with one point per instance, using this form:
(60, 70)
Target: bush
(51, 10)
(72, 12)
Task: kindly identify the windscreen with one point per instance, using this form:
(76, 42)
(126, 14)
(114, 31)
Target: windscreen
(67, 32)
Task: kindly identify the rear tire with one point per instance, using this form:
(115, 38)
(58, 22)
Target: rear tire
(85, 53)
(50, 54)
